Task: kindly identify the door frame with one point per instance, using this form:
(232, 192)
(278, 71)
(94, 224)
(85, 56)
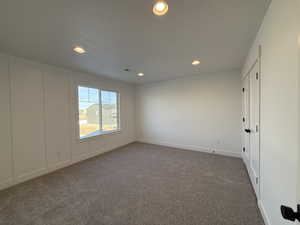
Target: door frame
(247, 162)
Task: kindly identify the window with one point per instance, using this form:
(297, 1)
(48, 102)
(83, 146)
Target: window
(98, 111)
(109, 100)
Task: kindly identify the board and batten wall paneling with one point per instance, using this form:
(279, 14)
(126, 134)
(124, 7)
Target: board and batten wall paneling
(57, 116)
(27, 119)
(5, 131)
(39, 118)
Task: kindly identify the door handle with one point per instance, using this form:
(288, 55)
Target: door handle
(289, 214)
(247, 130)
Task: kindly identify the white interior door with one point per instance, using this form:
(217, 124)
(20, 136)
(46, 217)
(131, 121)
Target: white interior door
(254, 128)
(246, 120)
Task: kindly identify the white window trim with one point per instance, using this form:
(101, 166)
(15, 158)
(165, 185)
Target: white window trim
(101, 132)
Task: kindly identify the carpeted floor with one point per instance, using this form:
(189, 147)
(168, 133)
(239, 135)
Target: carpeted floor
(139, 184)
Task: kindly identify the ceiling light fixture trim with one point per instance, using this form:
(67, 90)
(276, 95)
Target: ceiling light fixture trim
(79, 50)
(196, 62)
(160, 7)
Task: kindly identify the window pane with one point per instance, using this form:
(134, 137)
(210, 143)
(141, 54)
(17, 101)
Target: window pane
(88, 101)
(109, 100)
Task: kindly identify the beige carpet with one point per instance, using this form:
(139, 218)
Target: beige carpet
(139, 184)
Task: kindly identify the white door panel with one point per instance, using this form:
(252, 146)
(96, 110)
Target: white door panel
(251, 123)
(246, 120)
(254, 126)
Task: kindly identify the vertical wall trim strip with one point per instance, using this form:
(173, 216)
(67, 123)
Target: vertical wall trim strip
(9, 61)
(44, 115)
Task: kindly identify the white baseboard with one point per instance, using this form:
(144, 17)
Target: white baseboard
(28, 176)
(259, 202)
(59, 165)
(5, 184)
(212, 151)
(10, 182)
(83, 157)
(197, 148)
(263, 212)
(96, 153)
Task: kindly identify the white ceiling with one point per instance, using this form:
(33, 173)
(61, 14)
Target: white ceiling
(121, 34)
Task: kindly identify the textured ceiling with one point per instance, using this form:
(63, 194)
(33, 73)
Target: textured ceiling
(121, 34)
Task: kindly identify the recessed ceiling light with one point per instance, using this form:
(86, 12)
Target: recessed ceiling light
(160, 8)
(79, 50)
(140, 74)
(196, 62)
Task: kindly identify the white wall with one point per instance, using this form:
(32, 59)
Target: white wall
(278, 37)
(38, 119)
(199, 113)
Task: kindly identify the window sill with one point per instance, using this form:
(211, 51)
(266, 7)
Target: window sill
(98, 134)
